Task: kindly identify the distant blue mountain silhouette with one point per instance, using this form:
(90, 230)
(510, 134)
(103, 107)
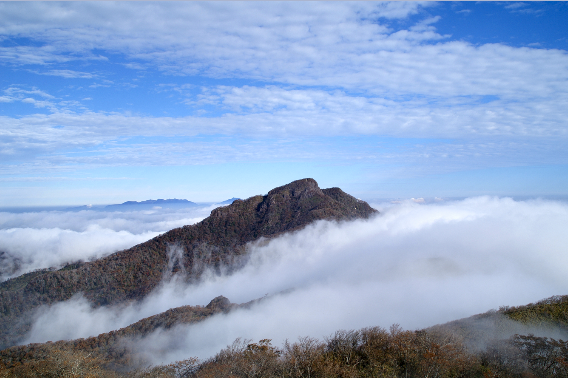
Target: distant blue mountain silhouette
(149, 205)
(229, 201)
(152, 204)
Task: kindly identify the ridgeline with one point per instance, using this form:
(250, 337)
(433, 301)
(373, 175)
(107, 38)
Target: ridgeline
(219, 240)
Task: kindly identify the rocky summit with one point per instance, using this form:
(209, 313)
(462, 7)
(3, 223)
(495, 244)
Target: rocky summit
(219, 240)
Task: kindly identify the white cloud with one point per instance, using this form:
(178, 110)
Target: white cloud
(426, 24)
(515, 5)
(97, 85)
(320, 70)
(276, 111)
(322, 112)
(68, 74)
(68, 236)
(494, 130)
(135, 66)
(39, 99)
(416, 265)
(32, 55)
(346, 45)
(58, 246)
(411, 83)
(17, 92)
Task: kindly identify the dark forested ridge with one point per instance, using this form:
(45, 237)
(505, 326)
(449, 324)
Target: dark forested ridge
(218, 240)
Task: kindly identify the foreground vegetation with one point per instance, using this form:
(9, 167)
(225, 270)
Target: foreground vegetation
(462, 348)
(369, 352)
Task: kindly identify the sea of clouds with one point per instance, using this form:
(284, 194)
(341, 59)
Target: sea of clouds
(414, 264)
(44, 239)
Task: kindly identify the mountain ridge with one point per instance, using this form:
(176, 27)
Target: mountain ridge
(218, 241)
(114, 346)
(117, 350)
(171, 203)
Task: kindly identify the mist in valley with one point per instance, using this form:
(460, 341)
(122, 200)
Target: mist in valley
(416, 265)
(50, 239)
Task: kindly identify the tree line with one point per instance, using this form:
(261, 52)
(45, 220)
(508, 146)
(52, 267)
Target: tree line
(368, 352)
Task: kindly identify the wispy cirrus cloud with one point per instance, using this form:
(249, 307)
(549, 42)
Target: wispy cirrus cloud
(490, 130)
(515, 5)
(278, 111)
(269, 71)
(15, 92)
(346, 45)
(139, 31)
(68, 74)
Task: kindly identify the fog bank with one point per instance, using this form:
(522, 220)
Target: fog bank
(416, 265)
(39, 240)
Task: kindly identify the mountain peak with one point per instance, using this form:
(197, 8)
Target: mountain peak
(298, 187)
(217, 243)
(286, 208)
(219, 303)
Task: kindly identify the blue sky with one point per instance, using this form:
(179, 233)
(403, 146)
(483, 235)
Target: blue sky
(108, 102)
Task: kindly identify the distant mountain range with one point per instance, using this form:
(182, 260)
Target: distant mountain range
(149, 205)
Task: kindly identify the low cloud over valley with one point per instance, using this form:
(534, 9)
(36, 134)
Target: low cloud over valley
(40, 240)
(414, 264)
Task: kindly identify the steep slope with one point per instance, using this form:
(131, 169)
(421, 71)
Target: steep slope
(550, 311)
(545, 318)
(114, 347)
(218, 240)
(473, 347)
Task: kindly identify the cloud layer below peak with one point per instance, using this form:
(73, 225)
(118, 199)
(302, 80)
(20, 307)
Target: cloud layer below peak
(415, 265)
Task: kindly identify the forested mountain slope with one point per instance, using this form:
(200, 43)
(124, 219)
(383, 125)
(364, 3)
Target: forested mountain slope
(545, 318)
(114, 348)
(441, 351)
(219, 240)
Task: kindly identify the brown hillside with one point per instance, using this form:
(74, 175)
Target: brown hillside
(218, 240)
(440, 351)
(112, 347)
(545, 318)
